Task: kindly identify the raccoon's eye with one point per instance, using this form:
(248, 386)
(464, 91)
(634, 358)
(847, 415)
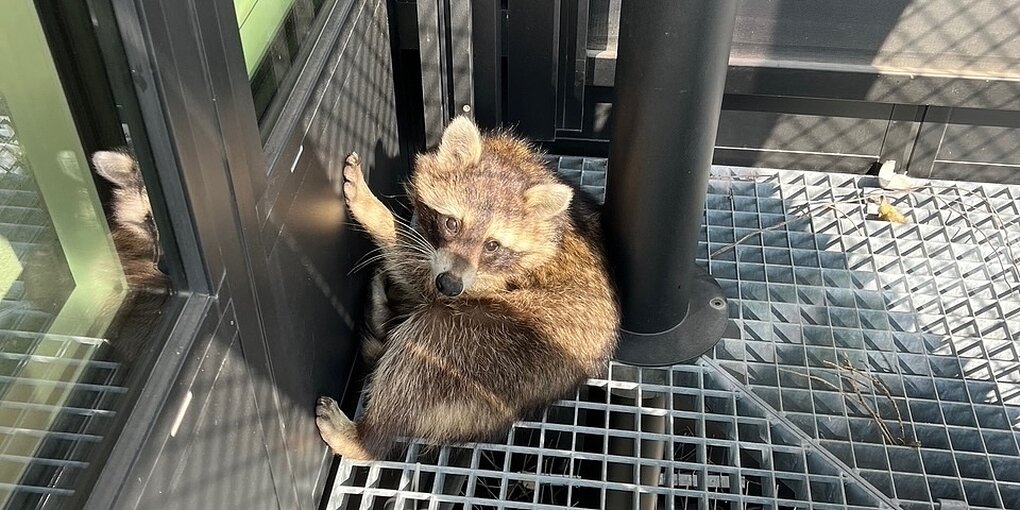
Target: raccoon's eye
(491, 246)
(452, 225)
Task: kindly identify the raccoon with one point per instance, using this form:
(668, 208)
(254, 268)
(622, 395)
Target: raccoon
(132, 229)
(136, 239)
(492, 303)
(134, 232)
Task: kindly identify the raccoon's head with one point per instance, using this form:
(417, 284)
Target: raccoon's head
(489, 207)
(131, 207)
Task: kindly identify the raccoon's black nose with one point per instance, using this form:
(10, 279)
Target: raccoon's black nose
(449, 285)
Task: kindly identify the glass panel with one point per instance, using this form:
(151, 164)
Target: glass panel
(935, 36)
(976, 38)
(81, 296)
(272, 35)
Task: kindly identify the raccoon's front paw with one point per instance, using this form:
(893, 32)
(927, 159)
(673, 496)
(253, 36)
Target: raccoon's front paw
(363, 205)
(327, 411)
(330, 420)
(355, 188)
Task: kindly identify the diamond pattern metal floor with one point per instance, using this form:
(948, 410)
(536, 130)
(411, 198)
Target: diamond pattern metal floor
(868, 365)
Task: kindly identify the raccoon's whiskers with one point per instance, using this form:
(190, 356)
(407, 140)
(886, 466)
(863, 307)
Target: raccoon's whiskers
(397, 198)
(413, 243)
(406, 261)
(371, 253)
(418, 246)
(401, 256)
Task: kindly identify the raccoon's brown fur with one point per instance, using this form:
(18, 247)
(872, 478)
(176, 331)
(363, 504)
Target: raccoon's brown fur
(132, 229)
(492, 304)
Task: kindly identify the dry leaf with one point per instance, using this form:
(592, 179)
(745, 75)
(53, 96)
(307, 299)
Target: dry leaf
(887, 212)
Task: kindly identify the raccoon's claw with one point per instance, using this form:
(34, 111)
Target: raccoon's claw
(326, 407)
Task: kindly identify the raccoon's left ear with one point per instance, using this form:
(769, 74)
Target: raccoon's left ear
(548, 200)
(462, 143)
(116, 167)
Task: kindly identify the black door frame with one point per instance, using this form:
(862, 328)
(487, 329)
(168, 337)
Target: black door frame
(201, 130)
(219, 184)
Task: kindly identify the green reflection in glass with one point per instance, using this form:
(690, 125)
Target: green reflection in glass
(259, 21)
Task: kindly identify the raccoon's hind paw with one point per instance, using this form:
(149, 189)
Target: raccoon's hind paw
(338, 431)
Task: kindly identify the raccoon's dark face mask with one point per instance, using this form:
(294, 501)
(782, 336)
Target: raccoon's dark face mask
(489, 208)
(483, 248)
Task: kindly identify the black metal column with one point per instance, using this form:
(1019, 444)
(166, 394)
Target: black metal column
(671, 68)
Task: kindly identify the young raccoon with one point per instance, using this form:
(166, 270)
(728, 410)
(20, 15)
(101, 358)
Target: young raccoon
(133, 229)
(494, 305)
(137, 244)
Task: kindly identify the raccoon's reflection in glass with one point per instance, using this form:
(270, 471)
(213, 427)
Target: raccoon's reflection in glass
(88, 321)
(135, 286)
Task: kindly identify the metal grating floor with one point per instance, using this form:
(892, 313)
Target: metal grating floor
(868, 365)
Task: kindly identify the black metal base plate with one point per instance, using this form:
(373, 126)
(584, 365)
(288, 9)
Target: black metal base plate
(700, 330)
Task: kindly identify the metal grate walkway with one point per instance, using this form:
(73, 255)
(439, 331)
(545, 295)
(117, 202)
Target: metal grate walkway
(868, 365)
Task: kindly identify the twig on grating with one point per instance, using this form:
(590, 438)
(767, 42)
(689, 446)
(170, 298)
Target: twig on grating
(1009, 265)
(852, 382)
(800, 215)
(745, 178)
(876, 381)
(857, 377)
(860, 399)
(855, 386)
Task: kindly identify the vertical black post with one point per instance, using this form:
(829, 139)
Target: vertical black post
(671, 69)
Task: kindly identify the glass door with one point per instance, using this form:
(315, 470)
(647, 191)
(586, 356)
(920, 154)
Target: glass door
(83, 293)
(273, 35)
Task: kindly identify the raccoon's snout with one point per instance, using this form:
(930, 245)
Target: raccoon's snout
(449, 285)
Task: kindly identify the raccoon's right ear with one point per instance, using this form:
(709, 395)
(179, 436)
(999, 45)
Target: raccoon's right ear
(462, 143)
(116, 167)
(548, 200)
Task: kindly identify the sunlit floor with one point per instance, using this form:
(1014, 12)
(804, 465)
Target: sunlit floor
(869, 364)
